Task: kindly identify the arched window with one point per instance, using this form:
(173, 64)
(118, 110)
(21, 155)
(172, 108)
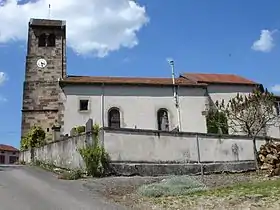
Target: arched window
(114, 118)
(51, 40)
(162, 120)
(42, 40)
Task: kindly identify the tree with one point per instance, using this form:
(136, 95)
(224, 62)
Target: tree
(250, 114)
(35, 137)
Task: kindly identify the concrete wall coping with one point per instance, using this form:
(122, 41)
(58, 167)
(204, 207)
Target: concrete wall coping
(162, 133)
(181, 134)
(63, 138)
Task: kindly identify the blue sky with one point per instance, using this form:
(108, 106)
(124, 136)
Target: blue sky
(201, 36)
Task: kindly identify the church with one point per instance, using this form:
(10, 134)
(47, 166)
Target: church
(52, 97)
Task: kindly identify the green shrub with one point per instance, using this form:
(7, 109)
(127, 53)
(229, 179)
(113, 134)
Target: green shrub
(37, 162)
(177, 185)
(71, 175)
(35, 137)
(22, 162)
(95, 157)
(80, 129)
(216, 120)
(67, 175)
(49, 166)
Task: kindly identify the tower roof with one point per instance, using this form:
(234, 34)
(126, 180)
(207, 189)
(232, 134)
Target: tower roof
(47, 22)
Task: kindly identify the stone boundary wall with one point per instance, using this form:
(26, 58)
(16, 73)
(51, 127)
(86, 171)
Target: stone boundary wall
(149, 148)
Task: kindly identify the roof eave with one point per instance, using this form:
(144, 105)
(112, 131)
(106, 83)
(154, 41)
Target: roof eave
(7, 150)
(64, 83)
(231, 83)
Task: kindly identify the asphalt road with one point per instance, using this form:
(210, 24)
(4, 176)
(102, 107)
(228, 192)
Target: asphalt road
(28, 188)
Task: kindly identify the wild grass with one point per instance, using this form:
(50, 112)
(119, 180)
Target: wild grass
(261, 194)
(177, 185)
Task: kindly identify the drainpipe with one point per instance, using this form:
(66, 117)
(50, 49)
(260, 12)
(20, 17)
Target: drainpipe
(175, 94)
(102, 112)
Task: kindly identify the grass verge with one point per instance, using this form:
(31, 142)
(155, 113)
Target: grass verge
(255, 194)
(264, 188)
(177, 185)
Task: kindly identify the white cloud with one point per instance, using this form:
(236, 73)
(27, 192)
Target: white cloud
(265, 43)
(3, 77)
(275, 88)
(93, 26)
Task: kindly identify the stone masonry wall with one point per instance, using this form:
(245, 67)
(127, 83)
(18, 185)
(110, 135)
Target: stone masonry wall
(46, 119)
(42, 105)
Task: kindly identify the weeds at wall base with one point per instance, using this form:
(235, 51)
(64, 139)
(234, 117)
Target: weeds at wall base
(21, 162)
(65, 174)
(71, 175)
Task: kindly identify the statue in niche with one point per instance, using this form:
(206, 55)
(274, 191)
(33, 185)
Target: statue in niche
(164, 122)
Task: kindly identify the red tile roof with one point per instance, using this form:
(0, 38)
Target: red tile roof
(218, 78)
(187, 79)
(127, 81)
(8, 148)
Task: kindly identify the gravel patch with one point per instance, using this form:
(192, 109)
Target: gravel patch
(226, 179)
(123, 189)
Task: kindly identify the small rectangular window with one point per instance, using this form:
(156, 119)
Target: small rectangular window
(84, 105)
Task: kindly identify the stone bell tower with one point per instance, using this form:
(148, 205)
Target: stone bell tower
(45, 66)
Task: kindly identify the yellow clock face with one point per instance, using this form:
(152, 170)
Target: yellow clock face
(41, 63)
